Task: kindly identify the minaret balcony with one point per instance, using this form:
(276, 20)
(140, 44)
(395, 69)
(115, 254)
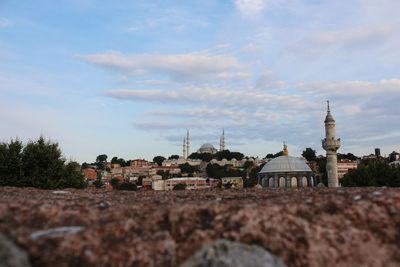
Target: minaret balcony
(331, 144)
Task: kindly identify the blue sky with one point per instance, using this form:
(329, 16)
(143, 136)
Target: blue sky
(127, 78)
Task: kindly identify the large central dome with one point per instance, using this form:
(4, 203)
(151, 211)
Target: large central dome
(284, 164)
(207, 148)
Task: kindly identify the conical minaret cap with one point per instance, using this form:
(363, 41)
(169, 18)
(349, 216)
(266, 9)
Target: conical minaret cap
(329, 117)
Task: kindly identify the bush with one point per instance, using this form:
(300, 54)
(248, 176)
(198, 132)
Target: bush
(38, 164)
(127, 187)
(180, 187)
(377, 173)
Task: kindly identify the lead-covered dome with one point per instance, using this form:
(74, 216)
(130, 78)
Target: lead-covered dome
(284, 164)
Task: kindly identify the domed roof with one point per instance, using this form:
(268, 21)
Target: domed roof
(286, 164)
(207, 146)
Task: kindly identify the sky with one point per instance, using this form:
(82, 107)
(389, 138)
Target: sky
(128, 78)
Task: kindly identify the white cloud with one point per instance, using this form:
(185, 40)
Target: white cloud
(250, 7)
(4, 23)
(177, 67)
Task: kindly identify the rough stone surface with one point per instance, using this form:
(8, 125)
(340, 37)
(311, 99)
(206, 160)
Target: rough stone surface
(304, 227)
(225, 253)
(11, 255)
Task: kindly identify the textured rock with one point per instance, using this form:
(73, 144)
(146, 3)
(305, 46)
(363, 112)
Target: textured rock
(304, 227)
(11, 255)
(225, 253)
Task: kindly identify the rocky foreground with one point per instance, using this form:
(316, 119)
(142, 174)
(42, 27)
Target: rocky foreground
(303, 227)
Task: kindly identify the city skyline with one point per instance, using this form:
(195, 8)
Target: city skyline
(128, 79)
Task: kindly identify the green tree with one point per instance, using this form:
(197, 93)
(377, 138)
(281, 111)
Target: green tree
(38, 164)
(101, 158)
(378, 173)
(174, 157)
(206, 157)
(187, 168)
(11, 172)
(159, 160)
(114, 182)
(180, 187)
(309, 154)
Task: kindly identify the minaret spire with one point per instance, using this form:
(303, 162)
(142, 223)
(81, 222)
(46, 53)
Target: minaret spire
(184, 148)
(222, 141)
(187, 144)
(331, 145)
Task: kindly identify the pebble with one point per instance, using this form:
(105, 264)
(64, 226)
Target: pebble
(61, 192)
(357, 198)
(56, 232)
(104, 205)
(376, 194)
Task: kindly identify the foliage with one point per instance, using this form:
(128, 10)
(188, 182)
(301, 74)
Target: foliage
(101, 158)
(180, 187)
(174, 157)
(164, 174)
(127, 186)
(206, 157)
(38, 164)
(253, 176)
(98, 183)
(226, 154)
(120, 161)
(348, 156)
(271, 156)
(217, 171)
(309, 154)
(159, 160)
(248, 164)
(377, 173)
(187, 168)
(114, 182)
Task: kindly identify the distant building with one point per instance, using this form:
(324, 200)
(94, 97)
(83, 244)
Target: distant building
(232, 182)
(139, 163)
(377, 152)
(190, 182)
(90, 174)
(286, 171)
(344, 166)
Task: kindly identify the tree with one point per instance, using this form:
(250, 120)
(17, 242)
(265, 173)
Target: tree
(187, 168)
(226, 154)
(174, 157)
(101, 158)
(348, 156)
(309, 154)
(206, 157)
(377, 173)
(159, 160)
(38, 164)
(11, 163)
(114, 182)
(180, 187)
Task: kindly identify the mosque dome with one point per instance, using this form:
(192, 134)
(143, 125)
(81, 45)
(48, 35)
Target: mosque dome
(207, 148)
(286, 164)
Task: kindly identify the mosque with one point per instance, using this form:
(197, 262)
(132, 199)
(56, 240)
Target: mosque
(288, 171)
(205, 148)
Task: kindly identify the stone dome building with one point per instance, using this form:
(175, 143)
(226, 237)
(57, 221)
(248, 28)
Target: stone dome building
(286, 171)
(207, 148)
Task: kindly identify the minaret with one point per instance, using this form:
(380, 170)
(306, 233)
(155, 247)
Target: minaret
(222, 141)
(331, 145)
(184, 148)
(187, 144)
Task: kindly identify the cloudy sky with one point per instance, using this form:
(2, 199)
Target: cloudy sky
(127, 78)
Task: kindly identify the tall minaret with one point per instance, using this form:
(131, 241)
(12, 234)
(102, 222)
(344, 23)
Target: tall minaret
(184, 148)
(222, 141)
(187, 144)
(331, 145)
